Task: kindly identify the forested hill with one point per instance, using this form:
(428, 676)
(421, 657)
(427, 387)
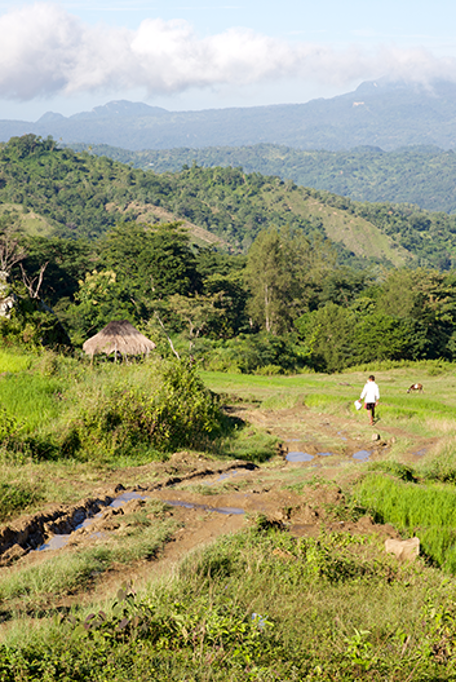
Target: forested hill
(56, 191)
(424, 176)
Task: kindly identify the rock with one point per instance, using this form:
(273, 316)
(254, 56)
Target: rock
(375, 436)
(403, 550)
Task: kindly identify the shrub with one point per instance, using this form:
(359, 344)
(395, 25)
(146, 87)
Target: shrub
(179, 412)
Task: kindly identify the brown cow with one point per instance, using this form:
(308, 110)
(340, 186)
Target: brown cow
(415, 387)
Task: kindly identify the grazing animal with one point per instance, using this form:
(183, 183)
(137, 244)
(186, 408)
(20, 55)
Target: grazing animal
(415, 387)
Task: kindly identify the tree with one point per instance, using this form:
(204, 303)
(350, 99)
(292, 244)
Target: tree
(285, 270)
(196, 313)
(329, 336)
(153, 262)
(12, 250)
(268, 276)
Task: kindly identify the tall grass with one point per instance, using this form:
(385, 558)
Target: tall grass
(426, 510)
(14, 361)
(62, 408)
(33, 399)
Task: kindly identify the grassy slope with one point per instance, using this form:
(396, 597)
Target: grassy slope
(30, 222)
(415, 175)
(355, 233)
(150, 215)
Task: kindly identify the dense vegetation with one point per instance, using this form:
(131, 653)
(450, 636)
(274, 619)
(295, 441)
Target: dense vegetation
(294, 301)
(422, 176)
(82, 196)
(57, 410)
(262, 604)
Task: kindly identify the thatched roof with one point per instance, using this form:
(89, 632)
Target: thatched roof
(118, 337)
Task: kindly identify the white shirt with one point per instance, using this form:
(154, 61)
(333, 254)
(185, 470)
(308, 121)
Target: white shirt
(370, 392)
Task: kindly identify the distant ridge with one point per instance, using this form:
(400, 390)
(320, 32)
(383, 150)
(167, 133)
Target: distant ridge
(380, 114)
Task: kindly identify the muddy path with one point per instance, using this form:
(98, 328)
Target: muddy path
(204, 500)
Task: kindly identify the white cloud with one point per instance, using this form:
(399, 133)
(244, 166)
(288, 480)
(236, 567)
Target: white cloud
(47, 51)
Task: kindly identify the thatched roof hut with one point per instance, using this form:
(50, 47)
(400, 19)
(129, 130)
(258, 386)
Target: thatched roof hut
(120, 338)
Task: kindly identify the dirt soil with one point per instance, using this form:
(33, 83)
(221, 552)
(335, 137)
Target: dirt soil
(208, 499)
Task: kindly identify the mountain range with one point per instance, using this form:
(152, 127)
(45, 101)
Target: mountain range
(383, 114)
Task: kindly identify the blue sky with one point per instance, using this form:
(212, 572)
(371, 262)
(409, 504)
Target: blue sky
(72, 55)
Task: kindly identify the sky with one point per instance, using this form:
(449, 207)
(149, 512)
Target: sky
(69, 56)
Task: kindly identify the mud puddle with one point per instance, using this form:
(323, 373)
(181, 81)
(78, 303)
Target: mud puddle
(60, 540)
(62, 525)
(362, 455)
(298, 456)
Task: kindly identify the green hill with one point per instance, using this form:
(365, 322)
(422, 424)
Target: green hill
(82, 195)
(424, 176)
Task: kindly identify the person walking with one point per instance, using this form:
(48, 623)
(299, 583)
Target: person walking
(371, 395)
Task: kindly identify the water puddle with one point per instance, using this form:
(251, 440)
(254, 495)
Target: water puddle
(362, 455)
(340, 433)
(204, 507)
(325, 454)
(299, 457)
(56, 542)
(223, 477)
(60, 540)
(420, 453)
(127, 497)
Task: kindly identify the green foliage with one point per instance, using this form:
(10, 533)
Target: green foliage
(291, 280)
(156, 262)
(329, 335)
(282, 271)
(60, 408)
(419, 175)
(260, 353)
(177, 412)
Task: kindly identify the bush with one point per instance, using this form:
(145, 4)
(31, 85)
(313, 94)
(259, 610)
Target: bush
(180, 412)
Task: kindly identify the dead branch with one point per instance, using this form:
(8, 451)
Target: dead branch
(33, 286)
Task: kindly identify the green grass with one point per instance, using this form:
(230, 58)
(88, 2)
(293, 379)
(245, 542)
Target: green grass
(14, 361)
(34, 400)
(260, 606)
(335, 393)
(426, 510)
(17, 496)
(248, 443)
(62, 408)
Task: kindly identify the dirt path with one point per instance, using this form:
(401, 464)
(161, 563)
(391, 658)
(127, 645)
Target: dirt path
(208, 499)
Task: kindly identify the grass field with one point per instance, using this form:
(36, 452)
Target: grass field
(260, 604)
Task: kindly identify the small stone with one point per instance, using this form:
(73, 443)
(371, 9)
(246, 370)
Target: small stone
(375, 436)
(404, 550)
